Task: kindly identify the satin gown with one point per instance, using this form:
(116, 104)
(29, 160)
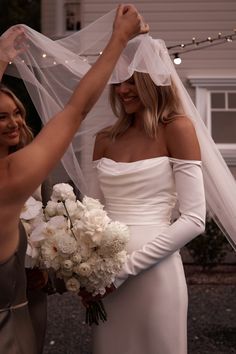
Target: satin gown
(16, 330)
(147, 314)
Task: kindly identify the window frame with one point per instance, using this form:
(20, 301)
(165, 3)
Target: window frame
(72, 3)
(203, 89)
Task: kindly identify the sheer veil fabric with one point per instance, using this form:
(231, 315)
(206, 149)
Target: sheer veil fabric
(52, 69)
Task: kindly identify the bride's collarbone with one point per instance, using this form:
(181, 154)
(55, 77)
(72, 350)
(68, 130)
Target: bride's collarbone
(126, 150)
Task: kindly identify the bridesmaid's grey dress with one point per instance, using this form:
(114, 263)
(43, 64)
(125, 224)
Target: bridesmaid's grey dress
(16, 331)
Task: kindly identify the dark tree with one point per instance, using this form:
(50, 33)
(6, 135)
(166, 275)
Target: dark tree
(13, 12)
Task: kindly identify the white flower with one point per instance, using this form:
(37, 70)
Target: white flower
(91, 203)
(77, 240)
(83, 269)
(73, 285)
(66, 244)
(31, 209)
(62, 191)
(39, 233)
(49, 254)
(61, 209)
(116, 237)
(51, 208)
(76, 258)
(67, 265)
(56, 223)
(94, 223)
(73, 210)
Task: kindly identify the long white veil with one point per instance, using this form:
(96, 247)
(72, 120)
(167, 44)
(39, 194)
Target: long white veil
(51, 70)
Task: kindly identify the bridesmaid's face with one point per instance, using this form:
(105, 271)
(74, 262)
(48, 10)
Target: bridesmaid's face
(128, 96)
(11, 123)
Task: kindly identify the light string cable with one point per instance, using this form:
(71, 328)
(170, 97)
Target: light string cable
(198, 45)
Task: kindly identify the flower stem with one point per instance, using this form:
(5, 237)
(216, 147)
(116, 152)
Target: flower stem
(68, 215)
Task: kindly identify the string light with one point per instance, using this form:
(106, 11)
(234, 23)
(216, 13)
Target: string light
(197, 45)
(194, 45)
(177, 59)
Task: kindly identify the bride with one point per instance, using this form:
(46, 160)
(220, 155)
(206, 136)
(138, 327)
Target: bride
(155, 159)
(145, 162)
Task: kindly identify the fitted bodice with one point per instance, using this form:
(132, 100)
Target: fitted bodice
(140, 192)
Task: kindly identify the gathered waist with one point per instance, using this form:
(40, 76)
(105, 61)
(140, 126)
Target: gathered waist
(138, 212)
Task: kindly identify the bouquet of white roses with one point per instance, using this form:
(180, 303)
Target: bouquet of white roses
(77, 240)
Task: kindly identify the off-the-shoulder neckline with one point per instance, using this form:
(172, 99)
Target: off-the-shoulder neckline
(171, 159)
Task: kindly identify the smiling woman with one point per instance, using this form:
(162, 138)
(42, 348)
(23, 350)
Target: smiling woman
(14, 133)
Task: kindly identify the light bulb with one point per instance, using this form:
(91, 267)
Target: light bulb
(177, 59)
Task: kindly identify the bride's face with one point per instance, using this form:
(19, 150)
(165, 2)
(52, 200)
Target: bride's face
(128, 96)
(11, 123)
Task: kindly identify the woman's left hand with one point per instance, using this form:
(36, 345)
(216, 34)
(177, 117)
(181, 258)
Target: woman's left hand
(12, 43)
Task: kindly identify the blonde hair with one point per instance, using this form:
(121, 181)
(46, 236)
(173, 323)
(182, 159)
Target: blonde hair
(26, 135)
(161, 103)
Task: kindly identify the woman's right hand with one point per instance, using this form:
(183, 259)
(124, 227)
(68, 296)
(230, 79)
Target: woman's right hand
(128, 22)
(12, 43)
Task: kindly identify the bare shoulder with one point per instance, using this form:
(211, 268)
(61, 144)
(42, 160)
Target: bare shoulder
(101, 142)
(181, 139)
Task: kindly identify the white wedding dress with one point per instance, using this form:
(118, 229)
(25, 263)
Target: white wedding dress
(148, 313)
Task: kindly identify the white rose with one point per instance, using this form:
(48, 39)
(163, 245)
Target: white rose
(61, 209)
(51, 208)
(91, 203)
(62, 191)
(66, 244)
(95, 222)
(73, 285)
(55, 224)
(73, 210)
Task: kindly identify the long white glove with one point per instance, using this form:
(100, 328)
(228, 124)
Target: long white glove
(192, 207)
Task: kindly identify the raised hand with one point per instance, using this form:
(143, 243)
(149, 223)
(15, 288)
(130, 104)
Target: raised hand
(12, 43)
(128, 22)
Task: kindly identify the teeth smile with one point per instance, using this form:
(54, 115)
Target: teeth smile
(127, 99)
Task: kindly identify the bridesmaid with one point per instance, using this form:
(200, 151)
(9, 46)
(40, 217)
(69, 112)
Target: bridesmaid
(22, 171)
(36, 278)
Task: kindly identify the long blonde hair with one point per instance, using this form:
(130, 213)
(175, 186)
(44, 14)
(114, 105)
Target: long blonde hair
(26, 135)
(161, 104)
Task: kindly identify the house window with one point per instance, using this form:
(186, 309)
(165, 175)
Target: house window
(72, 16)
(216, 103)
(223, 117)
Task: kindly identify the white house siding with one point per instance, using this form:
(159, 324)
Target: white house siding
(176, 22)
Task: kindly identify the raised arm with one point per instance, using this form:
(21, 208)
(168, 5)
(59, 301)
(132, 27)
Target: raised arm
(38, 158)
